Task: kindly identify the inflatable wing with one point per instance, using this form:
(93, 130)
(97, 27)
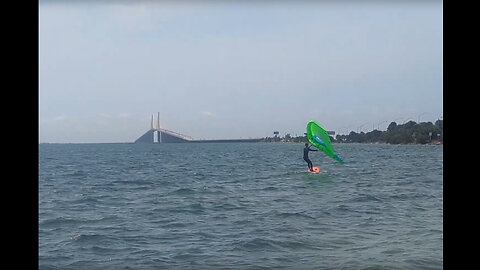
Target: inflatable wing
(319, 138)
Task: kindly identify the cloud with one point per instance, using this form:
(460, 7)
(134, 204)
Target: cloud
(54, 119)
(60, 118)
(208, 114)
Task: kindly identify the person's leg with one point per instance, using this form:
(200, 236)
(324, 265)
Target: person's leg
(308, 162)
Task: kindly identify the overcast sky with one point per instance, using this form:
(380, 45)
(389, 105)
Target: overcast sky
(218, 70)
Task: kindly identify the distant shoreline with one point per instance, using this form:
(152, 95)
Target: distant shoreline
(408, 133)
(336, 142)
(247, 140)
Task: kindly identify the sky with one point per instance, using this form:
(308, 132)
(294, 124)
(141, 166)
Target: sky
(228, 70)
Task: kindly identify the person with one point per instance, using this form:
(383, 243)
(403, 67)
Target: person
(305, 156)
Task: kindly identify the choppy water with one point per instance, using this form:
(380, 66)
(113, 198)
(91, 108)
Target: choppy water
(239, 206)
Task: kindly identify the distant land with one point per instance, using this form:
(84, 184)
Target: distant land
(408, 133)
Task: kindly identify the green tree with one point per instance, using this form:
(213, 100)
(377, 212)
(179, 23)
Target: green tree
(392, 126)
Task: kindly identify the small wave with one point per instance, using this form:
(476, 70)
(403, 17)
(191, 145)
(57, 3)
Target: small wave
(226, 206)
(87, 238)
(343, 208)
(381, 267)
(195, 208)
(86, 200)
(298, 245)
(64, 222)
(258, 244)
(60, 221)
(175, 225)
(212, 191)
(270, 189)
(76, 173)
(191, 254)
(243, 222)
(294, 215)
(262, 244)
(103, 250)
(183, 191)
(366, 198)
(393, 251)
(206, 235)
(425, 263)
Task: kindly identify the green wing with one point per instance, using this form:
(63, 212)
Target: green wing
(319, 138)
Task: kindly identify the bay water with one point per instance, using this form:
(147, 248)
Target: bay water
(239, 206)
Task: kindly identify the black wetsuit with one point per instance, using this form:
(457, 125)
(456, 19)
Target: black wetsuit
(305, 156)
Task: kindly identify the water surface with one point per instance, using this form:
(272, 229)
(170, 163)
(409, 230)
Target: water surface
(239, 206)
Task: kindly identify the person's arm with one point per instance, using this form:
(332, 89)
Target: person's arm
(311, 149)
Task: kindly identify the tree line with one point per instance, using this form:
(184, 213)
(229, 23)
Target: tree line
(408, 133)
